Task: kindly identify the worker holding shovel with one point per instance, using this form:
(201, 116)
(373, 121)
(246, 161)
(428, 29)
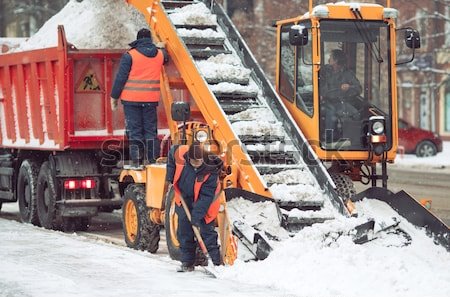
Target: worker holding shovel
(195, 178)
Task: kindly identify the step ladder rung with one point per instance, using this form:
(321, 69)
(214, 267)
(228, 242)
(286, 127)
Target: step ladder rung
(203, 41)
(258, 139)
(235, 80)
(206, 53)
(235, 95)
(274, 169)
(200, 27)
(171, 5)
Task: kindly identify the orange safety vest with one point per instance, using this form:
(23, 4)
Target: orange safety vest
(143, 80)
(180, 161)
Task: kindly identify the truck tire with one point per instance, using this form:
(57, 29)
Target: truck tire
(171, 226)
(344, 185)
(426, 149)
(26, 191)
(46, 197)
(139, 231)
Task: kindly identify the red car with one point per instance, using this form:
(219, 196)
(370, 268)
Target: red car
(417, 141)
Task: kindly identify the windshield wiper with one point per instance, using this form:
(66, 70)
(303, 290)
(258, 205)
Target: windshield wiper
(363, 31)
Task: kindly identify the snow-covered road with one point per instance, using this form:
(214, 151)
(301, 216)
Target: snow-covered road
(38, 262)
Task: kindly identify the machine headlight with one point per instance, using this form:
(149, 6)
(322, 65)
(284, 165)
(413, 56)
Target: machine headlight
(201, 136)
(378, 127)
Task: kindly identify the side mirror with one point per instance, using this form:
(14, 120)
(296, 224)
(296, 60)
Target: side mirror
(298, 35)
(406, 48)
(412, 38)
(180, 111)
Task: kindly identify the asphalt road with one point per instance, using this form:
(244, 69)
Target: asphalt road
(422, 183)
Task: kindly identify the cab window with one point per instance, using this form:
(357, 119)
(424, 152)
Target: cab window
(287, 64)
(304, 86)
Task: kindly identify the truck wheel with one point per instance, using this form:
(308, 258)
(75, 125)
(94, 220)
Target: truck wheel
(426, 149)
(171, 227)
(26, 191)
(344, 185)
(139, 231)
(46, 197)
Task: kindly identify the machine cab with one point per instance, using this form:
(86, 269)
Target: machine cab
(337, 78)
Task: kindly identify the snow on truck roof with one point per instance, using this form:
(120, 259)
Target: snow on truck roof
(90, 24)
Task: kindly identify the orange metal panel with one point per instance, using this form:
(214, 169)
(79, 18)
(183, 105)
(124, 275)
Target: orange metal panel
(107, 66)
(49, 103)
(35, 103)
(21, 105)
(212, 112)
(8, 105)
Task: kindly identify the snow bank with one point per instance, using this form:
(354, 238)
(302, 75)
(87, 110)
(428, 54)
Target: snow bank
(90, 24)
(310, 265)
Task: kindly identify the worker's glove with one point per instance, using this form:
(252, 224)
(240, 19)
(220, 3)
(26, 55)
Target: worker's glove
(196, 222)
(114, 104)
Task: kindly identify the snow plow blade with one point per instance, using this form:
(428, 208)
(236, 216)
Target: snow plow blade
(250, 236)
(253, 241)
(411, 210)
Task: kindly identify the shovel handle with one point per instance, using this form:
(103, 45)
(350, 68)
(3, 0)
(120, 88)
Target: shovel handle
(194, 228)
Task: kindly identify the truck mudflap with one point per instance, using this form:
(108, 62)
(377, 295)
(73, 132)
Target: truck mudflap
(411, 210)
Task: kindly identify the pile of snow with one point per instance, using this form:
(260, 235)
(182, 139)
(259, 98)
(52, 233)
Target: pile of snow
(310, 264)
(226, 87)
(292, 176)
(296, 192)
(90, 24)
(195, 14)
(258, 128)
(224, 68)
(207, 33)
(252, 114)
(10, 43)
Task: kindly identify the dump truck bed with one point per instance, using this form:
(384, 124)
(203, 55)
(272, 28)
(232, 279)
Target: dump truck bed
(58, 98)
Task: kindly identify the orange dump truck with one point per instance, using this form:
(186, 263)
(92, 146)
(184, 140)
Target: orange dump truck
(59, 139)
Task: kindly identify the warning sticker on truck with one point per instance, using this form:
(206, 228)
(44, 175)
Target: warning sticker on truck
(89, 82)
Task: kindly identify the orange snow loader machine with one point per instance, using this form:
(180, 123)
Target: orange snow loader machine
(59, 140)
(193, 101)
(349, 132)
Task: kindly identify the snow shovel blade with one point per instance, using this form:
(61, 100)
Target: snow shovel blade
(364, 232)
(210, 270)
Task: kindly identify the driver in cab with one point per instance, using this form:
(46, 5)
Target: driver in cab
(336, 85)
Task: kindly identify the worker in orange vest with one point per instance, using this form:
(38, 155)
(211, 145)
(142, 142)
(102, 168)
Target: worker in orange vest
(194, 175)
(137, 84)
